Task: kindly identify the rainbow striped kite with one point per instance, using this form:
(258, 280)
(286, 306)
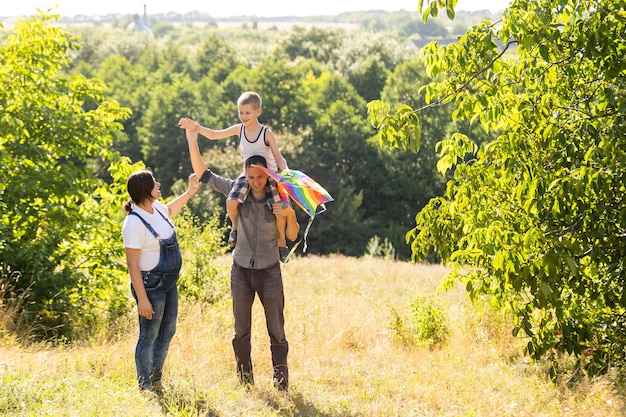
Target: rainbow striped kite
(307, 194)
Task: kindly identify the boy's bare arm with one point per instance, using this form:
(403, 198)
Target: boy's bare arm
(213, 134)
(271, 141)
(219, 133)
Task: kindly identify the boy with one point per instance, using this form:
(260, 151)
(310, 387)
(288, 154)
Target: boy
(254, 139)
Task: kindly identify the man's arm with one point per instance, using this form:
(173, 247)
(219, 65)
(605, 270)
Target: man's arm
(194, 152)
(217, 183)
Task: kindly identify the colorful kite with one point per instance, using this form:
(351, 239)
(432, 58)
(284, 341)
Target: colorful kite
(307, 194)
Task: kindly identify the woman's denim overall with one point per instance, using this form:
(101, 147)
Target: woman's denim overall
(155, 335)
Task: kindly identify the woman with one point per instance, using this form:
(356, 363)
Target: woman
(154, 260)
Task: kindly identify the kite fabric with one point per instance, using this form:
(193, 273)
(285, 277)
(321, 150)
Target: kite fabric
(307, 194)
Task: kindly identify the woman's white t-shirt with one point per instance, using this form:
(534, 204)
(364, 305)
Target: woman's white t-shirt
(137, 236)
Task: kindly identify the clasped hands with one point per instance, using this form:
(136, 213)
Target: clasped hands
(188, 124)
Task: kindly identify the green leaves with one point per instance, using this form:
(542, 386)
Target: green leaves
(60, 220)
(538, 214)
(398, 130)
(453, 151)
(432, 10)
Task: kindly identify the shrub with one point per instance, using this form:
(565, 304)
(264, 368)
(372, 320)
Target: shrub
(377, 249)
(425, 326)
(201, 243)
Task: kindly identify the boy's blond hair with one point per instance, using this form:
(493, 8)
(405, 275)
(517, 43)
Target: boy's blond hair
(251, 98)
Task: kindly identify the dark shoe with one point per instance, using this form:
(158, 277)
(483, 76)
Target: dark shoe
(246, 379)
(281, 386)
(158, 388)
(284, 253)
(281, 378)
(155, 381)
(150, 390)
(232, 239)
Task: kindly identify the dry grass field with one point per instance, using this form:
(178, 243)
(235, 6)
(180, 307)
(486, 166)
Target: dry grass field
(344, 359)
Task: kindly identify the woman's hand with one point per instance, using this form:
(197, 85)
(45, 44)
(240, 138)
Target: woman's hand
(194, 185)
(145, 308)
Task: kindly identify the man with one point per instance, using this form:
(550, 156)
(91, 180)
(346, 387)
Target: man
(256, 261)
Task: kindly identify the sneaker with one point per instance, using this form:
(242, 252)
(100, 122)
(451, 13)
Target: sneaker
(156, 387)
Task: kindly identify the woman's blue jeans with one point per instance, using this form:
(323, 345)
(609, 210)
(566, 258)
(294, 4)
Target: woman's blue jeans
(155, 335)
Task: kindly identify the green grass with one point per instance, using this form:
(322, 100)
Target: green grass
(345, 359)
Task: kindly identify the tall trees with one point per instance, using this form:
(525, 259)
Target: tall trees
(336, 153)
(537, 215)
(315, 86)
(163, 145)
(57, 218)
(214, 58)
(62, 133)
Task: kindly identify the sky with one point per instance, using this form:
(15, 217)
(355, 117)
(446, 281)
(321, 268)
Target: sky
(225, 8)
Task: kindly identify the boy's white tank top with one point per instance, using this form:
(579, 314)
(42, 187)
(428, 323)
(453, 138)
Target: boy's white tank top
(249, 148)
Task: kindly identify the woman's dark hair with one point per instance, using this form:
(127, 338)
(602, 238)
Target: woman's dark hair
(139, 187)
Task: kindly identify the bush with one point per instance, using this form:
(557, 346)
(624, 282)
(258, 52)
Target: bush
(377, 249)
(200, 279)
(58, 218)
(425, 326)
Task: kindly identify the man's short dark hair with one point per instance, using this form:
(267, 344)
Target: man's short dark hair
(256, 160)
